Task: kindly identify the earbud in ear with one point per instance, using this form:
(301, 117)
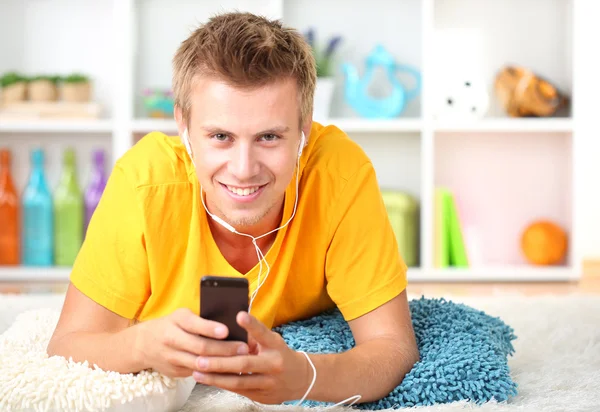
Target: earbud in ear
(185, 137)
(302, 142)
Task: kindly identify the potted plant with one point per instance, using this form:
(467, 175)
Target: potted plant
(43, 88)
(14, 87)
(325, 74)
(76, 88)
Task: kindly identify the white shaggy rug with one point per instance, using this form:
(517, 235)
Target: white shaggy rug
(556, 364)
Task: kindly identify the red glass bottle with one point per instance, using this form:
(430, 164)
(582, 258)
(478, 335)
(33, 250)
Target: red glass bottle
(9, 214)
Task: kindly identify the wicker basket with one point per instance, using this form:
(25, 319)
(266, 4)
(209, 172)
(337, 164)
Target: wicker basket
(14, 93)
(42, 91)
(76, 92)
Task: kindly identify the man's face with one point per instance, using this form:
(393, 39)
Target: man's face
(245, 145)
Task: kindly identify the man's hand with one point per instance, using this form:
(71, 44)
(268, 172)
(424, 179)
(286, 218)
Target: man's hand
(271, 373)
(171, 345)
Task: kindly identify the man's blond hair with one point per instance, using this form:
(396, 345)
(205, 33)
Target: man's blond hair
(246, 51)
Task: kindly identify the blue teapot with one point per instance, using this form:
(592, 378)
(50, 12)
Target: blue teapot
(356, 89)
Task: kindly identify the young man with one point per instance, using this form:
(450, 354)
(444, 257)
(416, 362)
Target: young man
(257, 163)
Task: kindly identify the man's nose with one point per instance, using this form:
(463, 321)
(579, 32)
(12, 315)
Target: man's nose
(244, 165)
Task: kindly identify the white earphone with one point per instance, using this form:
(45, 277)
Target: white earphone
(186, 141)
(185, 138)
(302, 143)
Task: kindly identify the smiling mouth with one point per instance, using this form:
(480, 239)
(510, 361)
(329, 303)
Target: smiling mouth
(242, 191)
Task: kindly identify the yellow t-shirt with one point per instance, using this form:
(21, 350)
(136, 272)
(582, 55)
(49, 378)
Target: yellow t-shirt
(149, 242)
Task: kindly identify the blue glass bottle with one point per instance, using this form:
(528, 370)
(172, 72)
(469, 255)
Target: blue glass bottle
(38, 220)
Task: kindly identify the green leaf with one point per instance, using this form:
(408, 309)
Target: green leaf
(53, 79)
(76, 78)
(10, 78)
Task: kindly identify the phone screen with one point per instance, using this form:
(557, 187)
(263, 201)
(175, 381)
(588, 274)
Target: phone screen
(221, 299)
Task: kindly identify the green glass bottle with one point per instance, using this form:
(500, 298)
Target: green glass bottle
(68, 213)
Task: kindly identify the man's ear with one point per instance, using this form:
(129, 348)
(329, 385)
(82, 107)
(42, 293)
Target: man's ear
(181, 124)
(306, 127)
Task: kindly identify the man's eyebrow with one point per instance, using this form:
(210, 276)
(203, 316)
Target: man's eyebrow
(216, 129)
(276, 129)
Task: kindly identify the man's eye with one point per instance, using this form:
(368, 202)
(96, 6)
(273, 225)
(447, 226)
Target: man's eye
(220, 136)
(270, 137)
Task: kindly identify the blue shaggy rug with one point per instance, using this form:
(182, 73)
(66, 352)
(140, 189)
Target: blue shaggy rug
(464, 353)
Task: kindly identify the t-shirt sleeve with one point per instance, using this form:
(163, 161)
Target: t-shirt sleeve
(112, 266)
(364, 268)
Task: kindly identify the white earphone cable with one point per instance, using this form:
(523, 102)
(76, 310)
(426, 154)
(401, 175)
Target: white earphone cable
(314, 379)
(259, 252)
(261, 257)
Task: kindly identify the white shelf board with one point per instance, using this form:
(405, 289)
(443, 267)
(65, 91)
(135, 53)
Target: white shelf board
(151, 125)
(376, 125)
(481, 274)
(346, 124)
(351, 125)
(515, 125)
(508, 273)
(56, 126)
(32, 274)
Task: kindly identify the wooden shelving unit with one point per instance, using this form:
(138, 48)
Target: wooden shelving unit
(118, 44)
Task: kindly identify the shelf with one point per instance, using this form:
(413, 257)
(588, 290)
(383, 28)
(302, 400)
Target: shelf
(151, 125)
(349, 125)
(505, 172)
(514, 125)
(499, 190)
(56, 126)
(508, 273)
(23, 273)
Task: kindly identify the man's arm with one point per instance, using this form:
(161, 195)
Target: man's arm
(86, 329)
(385, 351)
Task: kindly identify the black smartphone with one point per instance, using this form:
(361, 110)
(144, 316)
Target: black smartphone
(221, 299)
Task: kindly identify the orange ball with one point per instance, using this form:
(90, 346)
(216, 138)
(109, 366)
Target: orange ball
(544, 243)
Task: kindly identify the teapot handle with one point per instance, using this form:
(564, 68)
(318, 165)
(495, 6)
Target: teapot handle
(411, 93)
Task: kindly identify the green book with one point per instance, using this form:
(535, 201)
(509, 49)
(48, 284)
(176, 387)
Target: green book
(457, 250)
(441, 238)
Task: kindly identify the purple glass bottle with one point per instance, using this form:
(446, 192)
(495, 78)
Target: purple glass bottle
(96, 187)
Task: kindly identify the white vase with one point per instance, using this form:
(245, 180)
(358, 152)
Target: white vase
(323, 96)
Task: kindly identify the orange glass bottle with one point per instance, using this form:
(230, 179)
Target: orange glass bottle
(9, 214)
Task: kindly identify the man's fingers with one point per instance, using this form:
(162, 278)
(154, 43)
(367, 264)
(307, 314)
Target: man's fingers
(191, 323)
(262, 335)
(182, 361)
(239, 364)
(235, 383)
(252, 345)
(201, 346)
